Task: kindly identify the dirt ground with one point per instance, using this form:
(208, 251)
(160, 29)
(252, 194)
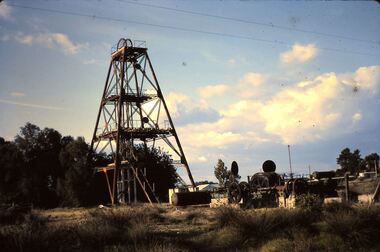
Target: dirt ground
(176, 220)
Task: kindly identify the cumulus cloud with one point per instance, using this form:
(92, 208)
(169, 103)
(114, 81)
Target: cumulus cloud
(316, 110)
(306, 111)
(252, 79)
(176, 102)
(208, 135)
(294, 113)
(321, 108)
(250, 83)
(213, 90)
(185, 110)
(50, 40)
(299, 53)
(5, 10)
(367, 77)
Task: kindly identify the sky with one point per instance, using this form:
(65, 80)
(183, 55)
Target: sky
(242, 79)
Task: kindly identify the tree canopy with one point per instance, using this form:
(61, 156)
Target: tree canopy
(353, 163)
(220, 172)
(159, 170)
(43, 168)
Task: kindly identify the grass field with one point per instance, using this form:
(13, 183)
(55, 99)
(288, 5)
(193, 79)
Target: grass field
(334, 227)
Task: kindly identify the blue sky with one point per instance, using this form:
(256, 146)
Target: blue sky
(249, 79)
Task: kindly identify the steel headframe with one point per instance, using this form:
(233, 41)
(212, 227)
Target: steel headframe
(133, 110)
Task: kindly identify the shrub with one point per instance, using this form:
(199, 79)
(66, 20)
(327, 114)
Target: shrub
(357, 227)
(309, 202)
(335, 207)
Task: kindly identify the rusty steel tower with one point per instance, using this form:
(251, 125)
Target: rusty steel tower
(133, 111)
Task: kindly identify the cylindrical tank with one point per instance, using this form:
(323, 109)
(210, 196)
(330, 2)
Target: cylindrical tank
(191, 198)
(323, 174)
(269, 166)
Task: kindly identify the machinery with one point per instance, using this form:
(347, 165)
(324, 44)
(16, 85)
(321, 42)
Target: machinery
(270, 189)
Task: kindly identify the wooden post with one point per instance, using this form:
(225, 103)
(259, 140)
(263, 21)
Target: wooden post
(121, 192)
(144, 177)
(129, 185)
(375, 194)
(135, 187)
(375, 167)
(347, 189)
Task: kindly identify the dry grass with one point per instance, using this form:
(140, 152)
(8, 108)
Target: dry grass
(335, 227)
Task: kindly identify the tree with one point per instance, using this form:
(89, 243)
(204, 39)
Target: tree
(74, 187)
(220, 172)
(371, 162)
(159, 170)
(40, 149)
(349, 161)
(12, 165)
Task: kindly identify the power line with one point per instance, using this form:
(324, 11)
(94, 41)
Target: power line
(72, 13)
(251, 22)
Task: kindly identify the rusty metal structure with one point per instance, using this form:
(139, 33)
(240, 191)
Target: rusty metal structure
(270, 189)
(133, 111)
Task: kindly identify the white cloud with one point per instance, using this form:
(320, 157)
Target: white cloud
(17, 94)
(364, 78)
(208, 135)
(295, 114)
(253, 79)
(357, 117)
(306, 111)
(186, 110)
(202, 159)
(5, 10)
(299, 53)
(250, 83)
(213, 90)
(367, 77)
(176, 101)
(30, 105)
(321, 108)
(50, 40)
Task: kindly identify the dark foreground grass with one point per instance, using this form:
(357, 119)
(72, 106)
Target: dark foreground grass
(334, 227)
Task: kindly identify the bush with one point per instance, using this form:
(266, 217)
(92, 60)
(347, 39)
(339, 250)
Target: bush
(256, 227)
(357, 227)
(309, 202)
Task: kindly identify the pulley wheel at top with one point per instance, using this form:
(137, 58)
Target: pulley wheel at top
(269, 166)
(123, 42)
(234, 168)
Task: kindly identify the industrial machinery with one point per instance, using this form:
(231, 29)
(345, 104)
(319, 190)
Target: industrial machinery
(270, 189)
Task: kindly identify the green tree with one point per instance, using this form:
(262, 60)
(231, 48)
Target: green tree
(159, 170)
(371, 162)
(75, 186)
(40, 149)
(12, 165)
(349, 161)
(220, 172)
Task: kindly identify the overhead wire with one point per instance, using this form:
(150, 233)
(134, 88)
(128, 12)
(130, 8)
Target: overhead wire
(72, 13)
(271, 25)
